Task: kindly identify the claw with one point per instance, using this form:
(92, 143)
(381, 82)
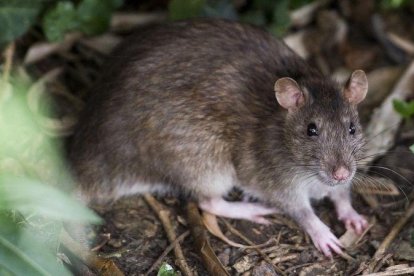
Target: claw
(354, 221)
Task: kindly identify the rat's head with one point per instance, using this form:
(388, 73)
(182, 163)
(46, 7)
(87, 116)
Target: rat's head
(322, 128)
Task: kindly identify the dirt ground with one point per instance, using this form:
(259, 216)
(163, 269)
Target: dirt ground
(136, 236)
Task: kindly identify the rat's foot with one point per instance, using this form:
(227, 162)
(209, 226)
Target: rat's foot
(238, 210)
(325, 241)
(353, 220)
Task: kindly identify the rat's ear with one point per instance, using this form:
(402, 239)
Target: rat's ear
(288, 94)
(356, 87)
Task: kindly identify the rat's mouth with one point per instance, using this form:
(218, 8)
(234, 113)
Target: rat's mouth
(329, 179)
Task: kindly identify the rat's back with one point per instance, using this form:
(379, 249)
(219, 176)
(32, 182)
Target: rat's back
(173, 103)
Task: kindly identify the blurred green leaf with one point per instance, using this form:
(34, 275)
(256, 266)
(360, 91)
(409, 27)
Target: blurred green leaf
(30, 196)
(255, 17)
(95, 15)
(295, 4)
(90, 17)
(59, 20)
(16, 17)
(166, 270)
(220, 9)
(412, 148)
(184, 9)
(280, 18)
(22, 254)
(393, 4)
(406, 109)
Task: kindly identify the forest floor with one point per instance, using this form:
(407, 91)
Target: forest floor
(337, 39)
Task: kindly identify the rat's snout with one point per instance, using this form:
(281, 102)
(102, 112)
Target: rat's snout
(341, 173)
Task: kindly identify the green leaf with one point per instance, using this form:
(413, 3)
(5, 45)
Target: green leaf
(220, 9)
(31, 196)
(295, 4)
(406, 109)
(255, 17)
(22, 254)
(59, 20)
(16, 17)
(280, 18)
(166, 270)
(393, 4)
(184, 9)
(95, 15)
(412, 148)
(90, 17)
(114, 4)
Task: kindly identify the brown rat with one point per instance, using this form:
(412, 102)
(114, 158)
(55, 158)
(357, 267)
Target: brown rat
(191, 106)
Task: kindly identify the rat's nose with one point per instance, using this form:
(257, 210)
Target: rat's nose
(341, 173)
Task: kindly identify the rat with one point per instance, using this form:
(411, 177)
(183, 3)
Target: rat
(202, 106)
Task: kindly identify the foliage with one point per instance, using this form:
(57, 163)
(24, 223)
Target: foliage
(183, 9)
(272, 14)
(166, 270)
(89, 17)
(16, 17)
(32, 206)
(406, 109)
(393, 4)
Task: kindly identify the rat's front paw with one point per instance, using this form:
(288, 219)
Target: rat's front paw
(354, 221)
(326, 242)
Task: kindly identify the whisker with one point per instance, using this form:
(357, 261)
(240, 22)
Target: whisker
(390, 170)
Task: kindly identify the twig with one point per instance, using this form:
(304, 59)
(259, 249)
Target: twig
(106, 238)
(258, 250)
(401, 42)
(282, 259)
(380, 263)
(391, 272)
(395, 230)
(8, 61)
(163, 215)
(103, 267)
(166, 251)
(198, 231)
(304, 15)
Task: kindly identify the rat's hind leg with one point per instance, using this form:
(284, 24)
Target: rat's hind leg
(238, 210)
(217, 183)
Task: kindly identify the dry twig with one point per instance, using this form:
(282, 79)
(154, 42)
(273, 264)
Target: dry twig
(257, 249)
(396, 270)
(8, 61)
(163, 214)
(102, 266)
(395, 230)
(198, 231)
(166, 251)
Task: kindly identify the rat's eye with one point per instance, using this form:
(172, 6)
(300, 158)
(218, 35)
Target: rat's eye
(312, 130)
(352, 129)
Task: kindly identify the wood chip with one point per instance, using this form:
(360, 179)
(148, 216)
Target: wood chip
(376, 186)
(41, 50)
(126, 21)
(198, 231)
(210, 222)
(394, 270)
